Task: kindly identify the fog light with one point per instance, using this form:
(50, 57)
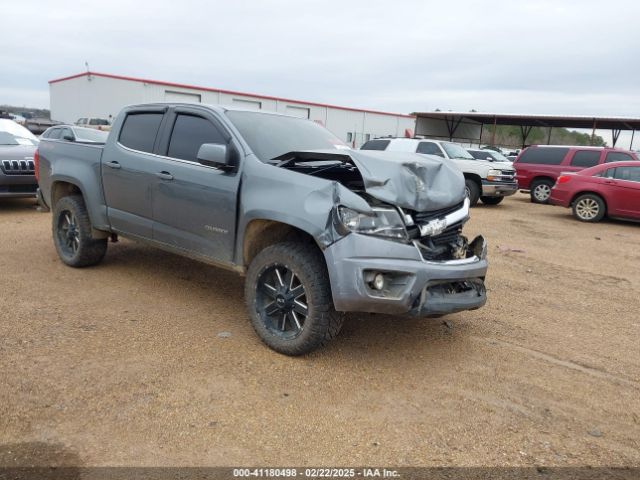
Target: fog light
(378, 281)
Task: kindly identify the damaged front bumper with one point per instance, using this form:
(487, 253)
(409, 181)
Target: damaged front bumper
(359, 264)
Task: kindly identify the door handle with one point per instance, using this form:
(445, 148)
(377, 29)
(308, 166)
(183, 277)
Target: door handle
(164, 175)
(115, 165)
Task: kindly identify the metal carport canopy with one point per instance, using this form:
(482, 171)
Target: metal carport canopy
(453, 121)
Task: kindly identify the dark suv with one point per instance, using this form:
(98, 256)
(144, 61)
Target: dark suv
(538, 166)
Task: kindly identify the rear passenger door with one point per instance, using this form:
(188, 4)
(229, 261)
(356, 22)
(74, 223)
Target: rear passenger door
(129, 166)
(582, 159)
(194, 205)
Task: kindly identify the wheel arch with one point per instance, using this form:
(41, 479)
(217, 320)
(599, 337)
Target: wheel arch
(63, 188)
(260, 233)
(537, 178)
(475, 177)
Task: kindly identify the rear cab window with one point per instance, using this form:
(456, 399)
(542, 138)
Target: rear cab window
(139, 130)
(544, 155)
(376, 145)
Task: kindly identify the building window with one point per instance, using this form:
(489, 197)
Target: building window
(349, 137)
(300, 112)
(248, 104)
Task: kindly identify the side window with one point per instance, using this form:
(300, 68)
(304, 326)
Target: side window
(55, 134)
(66, 131)
(188, 135)
(609, 173)
(543, 155)
(139, 131)
(82, 121)
(618, 157)
(585, 158)
(429, 148)
(631, 174)
(375, 145)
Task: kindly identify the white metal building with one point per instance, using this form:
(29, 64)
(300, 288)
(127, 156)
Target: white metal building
(102, 95)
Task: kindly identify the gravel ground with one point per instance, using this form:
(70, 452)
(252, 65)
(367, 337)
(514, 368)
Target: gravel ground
(149, 359)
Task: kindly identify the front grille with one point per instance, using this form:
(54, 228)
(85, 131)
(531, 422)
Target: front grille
(507, 176)
(18, 167)
(449, 235)
(425, 217)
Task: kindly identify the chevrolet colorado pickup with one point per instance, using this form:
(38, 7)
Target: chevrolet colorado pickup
(318, 229)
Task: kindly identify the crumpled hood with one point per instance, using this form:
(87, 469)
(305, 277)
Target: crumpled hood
(409, 180)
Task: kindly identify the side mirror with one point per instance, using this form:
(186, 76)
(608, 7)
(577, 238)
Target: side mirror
(215, 155)
(68, 137)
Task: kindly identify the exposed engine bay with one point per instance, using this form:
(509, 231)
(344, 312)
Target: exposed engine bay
(436, 233)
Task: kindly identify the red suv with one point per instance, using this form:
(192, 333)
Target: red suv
(538, 166)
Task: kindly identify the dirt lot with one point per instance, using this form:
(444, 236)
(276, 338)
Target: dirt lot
(124, 364)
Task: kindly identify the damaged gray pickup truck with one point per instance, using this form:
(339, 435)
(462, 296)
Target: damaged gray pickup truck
(318, 229)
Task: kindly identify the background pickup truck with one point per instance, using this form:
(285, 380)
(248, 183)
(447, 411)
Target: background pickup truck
(484, 180)
(318, 229)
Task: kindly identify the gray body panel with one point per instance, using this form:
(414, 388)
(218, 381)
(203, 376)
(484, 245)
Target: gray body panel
(203, 212)
(79, 165)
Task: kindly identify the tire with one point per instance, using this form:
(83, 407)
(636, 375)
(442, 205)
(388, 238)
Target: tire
(491, 200)
(74, 245)
(473, 191)
(541, 191)
(281, 281)
(589, 208)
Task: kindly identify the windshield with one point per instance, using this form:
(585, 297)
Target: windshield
(497, 155)
(13, 134)
(456, 151)
(90, 135)
(270, 136)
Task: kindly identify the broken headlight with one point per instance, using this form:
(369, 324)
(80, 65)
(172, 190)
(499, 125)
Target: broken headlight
(384, 222)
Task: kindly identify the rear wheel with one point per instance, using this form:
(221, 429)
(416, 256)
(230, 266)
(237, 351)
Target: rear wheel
(72, 234)
(288, 296)
(491, 200)
(589, 208)
(541, 190)
(473, 191)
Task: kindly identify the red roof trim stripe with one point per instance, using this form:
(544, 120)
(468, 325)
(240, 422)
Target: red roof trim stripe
(231, 92)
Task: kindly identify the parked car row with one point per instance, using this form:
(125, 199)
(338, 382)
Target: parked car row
(593, 181)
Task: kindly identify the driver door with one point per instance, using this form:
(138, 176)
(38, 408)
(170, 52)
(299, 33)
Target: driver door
(194, 206)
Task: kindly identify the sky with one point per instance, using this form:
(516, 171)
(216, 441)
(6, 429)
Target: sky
(556, 57)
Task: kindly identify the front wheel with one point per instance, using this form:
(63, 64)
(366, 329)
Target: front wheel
(289, 300)
(589, 208)
(491, 200)
(72, 234)
(472, 189)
